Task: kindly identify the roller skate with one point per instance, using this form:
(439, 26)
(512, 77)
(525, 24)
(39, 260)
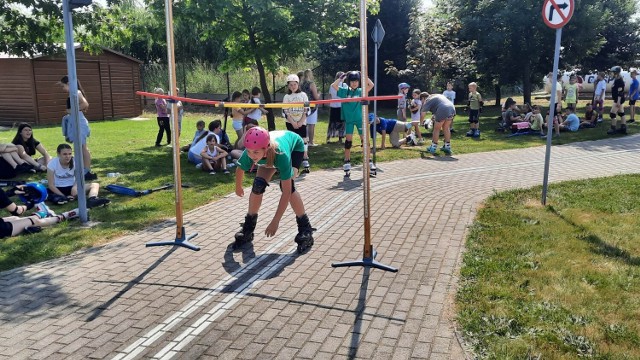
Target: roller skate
(245, 235)
(373, 170)
(471, 132)
(304, 239)
(305, 165)
(432, 149)
(476, 133)
(623, 129)
(347, 168)
(612, 130)
(446, 148)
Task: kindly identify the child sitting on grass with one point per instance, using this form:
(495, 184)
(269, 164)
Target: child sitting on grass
(213, 157)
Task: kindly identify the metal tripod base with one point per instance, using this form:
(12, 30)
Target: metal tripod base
(182, 241)
(367, 262)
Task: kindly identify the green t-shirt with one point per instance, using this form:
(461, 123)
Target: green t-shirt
(572, 93)
(474, 101)
(288, 142)
(351, 111)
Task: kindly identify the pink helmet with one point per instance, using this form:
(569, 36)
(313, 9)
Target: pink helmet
(256, 138)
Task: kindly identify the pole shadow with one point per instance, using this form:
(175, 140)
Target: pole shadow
(138, 279)
(356, 333)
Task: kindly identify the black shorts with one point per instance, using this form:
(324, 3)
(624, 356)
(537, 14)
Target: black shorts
(473, 116)
(621, 101)
(632, 102)
(65, 190)
(6, 229)
(302, 131)
(296, 159)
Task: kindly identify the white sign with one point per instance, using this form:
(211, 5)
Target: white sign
(557, 13)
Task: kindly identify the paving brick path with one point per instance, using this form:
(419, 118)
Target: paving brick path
(125, 301)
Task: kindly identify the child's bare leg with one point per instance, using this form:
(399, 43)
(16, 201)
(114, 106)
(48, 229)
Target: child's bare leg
(436, 131)
(223, 163)
(296, 204)
(92, 190)
(86, 156)
(255, 200)
(416, 129)
(447, 130)
(206, 165)
(9, 159)
(239, 133)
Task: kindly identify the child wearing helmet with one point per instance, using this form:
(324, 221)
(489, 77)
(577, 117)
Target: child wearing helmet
(296, 118)
(348, 86)
(617, 109)
(396, 130)
(403, 90)
(280, 151)
(14, 225)
(61, 179)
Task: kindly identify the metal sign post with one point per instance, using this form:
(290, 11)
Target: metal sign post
(181, 239)
(368, 259)
(67, 6)
(555, 16)
(377, 35)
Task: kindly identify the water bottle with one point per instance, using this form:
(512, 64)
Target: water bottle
(113, 174)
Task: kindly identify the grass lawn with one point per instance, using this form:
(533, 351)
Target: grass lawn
(127, 147)
(555, 282)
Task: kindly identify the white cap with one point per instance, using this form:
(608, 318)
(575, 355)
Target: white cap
(293, 77)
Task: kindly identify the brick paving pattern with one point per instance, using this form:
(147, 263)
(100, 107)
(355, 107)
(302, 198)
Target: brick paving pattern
(125, 301)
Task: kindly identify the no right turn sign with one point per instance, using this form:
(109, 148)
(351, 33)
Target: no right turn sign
(557, 13)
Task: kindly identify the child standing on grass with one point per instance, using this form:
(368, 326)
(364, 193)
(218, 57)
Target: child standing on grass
(475, 104)
(213, 157)
(634, 95)
(163, 118)
(598, 95)
(403, 89)
(280, 151)
(444, 112)
(414, 107)
(351, 111)
(571, 93)
(296, 117)
(451, 95)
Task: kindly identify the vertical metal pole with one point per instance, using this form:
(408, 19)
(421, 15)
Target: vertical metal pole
(368, 249)
(552, 109)
(168, 6)
(75, 110)
(375, 91)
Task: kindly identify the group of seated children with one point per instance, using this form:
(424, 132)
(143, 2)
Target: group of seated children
(533, 120)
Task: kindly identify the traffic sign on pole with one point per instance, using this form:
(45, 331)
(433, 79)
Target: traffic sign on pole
(557, 13)
(378, 34)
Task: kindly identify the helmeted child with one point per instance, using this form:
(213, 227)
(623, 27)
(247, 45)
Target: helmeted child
(475, 104)
(396, 130)
(403, 90)
(617, 93)
(296, 117)
(443, 111)
(414, 107)
(280, 151)
(571, 93)
(351, 111)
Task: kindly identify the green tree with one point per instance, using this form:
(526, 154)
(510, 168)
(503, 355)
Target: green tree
(513, 45)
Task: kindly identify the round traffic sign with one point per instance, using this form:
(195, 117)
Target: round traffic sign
(557, 13)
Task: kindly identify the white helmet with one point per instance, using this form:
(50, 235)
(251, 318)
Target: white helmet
(293, 77)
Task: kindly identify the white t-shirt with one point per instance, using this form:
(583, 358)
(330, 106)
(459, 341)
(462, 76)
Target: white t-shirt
(196, 149)
(416, 116)
(334, 95)
(257, 113)
(601, 87)
(297, 112)
(62, 177)
(451, 95)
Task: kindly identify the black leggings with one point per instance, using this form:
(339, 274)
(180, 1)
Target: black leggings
(163, 125)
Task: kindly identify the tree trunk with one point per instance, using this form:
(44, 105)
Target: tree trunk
(526, 82)
(496, 87)
(271, 119)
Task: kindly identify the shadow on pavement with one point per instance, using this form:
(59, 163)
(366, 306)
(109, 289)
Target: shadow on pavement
(356, 333)
(99, 309)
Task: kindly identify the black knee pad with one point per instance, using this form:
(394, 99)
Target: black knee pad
(621, 114)
(293, 186)
(348, 144)
(612, 115)
(259, 185)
